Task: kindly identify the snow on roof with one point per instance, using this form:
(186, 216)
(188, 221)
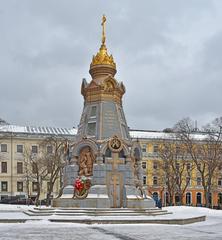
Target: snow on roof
(140, 134)
(37, 130)
(149, 134)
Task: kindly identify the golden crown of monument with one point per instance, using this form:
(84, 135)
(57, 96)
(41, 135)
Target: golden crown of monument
(102, 57)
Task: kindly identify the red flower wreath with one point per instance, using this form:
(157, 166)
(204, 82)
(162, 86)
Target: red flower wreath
(81, 187)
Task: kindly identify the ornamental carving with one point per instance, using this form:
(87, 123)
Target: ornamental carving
(86, 159)
(115, 144)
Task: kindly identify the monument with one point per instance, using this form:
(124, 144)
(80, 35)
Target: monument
(105, 168)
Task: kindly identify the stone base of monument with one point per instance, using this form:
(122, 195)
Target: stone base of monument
(98, 198)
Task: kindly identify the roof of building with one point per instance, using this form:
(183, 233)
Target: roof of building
(148, 134)
(37, 130)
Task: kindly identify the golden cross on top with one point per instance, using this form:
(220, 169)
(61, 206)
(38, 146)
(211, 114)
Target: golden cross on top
(103, 33)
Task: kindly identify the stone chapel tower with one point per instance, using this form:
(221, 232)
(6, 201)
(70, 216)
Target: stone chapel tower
(104, 151)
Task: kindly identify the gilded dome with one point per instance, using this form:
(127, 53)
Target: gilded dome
(102, 57)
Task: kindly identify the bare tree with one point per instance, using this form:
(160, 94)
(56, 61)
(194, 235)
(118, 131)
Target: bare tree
(174, 165)
(35, 171)
(204, 149)
(55, 152)
(46, 165)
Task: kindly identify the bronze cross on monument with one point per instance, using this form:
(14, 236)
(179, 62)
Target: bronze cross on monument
(116, 178)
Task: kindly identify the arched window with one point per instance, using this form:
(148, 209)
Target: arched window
(108, 153)
(199, 198)
(188, 198)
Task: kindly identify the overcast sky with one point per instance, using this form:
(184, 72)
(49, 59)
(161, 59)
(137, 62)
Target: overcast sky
(168, 54)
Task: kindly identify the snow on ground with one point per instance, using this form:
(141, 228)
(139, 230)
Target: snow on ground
(14, 207)
(43, 229)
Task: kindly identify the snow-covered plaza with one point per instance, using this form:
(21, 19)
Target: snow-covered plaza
(44, 229)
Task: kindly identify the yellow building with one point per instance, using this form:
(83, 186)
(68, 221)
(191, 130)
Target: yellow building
(155, 180)
(15, 141)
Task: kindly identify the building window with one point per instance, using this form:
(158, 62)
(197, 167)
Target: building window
(155, 149)
(3, 147)
(34, 186)
(144, 148)
(4, 186)
(91, 129)
(34, 149)
(188, 198)
(155, 180)
(93, 111)
(49, 149)
(219, 198)
(144, 165)
(4, 167)
(19, 167)
(219, 182)
(199, 198)
(199, 182)
(144, 180)
(155, 165)
(177, 199)
(19, 148)
(19, 186)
